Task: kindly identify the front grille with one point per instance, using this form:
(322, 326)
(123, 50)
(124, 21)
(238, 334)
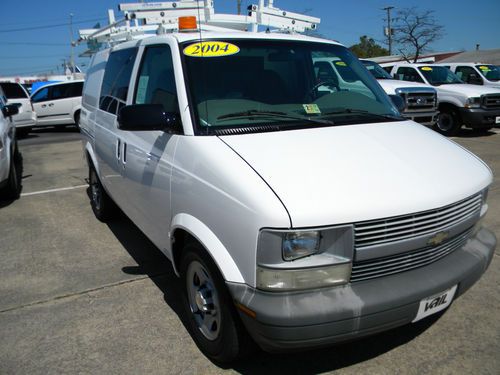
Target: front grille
(399, 228)
(385, 266)
(490, 101)
(419, 101)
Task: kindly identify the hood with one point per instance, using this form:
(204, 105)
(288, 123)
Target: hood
(390, 85)
(353, 173)
(466, 89)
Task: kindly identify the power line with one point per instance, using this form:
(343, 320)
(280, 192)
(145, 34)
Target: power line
(27, 57)
(32, 44)
(50, 26)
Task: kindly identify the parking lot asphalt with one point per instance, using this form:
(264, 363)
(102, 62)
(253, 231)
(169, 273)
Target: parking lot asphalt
(80, 296)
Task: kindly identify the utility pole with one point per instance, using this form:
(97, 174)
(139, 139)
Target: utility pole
(388, 30)
(71, 60)
(239, 6)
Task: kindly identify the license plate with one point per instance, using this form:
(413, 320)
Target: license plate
(437, 302)
(497, 120)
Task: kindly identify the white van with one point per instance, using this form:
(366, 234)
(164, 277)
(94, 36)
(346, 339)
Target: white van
(476, 73)
(460, 104)
(297, 213)
(26, 118)
(58, 104)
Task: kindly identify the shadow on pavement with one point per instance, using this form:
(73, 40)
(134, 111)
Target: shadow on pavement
(474, 133)
(154, 264)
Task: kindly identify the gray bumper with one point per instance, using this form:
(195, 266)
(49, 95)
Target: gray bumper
(299, 320)
(479, 118)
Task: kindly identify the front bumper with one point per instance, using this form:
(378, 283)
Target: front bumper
(479, 118)
(424, 118)
(286, 321)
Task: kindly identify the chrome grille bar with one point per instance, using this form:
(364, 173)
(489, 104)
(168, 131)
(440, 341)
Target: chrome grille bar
(408, 226)
(403, 262)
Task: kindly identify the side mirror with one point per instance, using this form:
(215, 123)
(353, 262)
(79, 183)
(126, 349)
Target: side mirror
(10, 110)
(144, 117)
(474, 79)
(399, 102)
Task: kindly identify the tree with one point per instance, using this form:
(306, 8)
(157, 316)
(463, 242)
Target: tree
(416, 30)
(368, 48)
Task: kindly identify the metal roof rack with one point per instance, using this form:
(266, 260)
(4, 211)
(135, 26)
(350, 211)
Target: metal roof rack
(144, 19)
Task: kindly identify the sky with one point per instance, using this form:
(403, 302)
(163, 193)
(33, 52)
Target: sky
(35, 35)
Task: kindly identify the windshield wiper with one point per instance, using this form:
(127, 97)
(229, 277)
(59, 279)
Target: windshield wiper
(254, 113)
(362, 112)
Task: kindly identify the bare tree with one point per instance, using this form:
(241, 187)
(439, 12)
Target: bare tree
(416, 30)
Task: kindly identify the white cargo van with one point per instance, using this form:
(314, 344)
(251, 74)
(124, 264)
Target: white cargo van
(476, 107)
(476, 73)
(298, 214)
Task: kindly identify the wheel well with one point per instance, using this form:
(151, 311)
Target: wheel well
(76, 114)
(448, 106)
(180, 238)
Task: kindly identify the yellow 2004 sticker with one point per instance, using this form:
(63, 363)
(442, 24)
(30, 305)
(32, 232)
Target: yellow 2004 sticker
(211, 49)
(426, 68)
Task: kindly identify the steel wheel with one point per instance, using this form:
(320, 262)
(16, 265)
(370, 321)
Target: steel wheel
(95, 190)
(448, 122)
(203, 300)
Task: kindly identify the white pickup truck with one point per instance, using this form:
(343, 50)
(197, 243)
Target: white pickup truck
(460, 104)
(476, 73)
(420, 100)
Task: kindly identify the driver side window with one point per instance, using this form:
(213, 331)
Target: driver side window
(41, 95)
(156, 80)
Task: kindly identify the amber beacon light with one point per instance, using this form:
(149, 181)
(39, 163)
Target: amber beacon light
(187, 23)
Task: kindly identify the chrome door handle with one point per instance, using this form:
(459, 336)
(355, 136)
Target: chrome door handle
(51, 104)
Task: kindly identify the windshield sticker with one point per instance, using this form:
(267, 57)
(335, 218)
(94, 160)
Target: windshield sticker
(485, 68)
(311, 109)
(340, 63)
(426, 68)
(211, 49)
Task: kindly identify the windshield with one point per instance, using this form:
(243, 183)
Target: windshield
(439, 75)
(375, 69)
(14, 91)
(490, 72)
(254, 83)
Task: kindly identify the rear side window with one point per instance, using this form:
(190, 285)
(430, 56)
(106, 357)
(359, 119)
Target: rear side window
(116, 80)
(13, 91)
(41, 95)
(408, 74)
(60, 92)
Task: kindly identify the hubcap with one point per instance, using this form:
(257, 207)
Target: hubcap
(203, 300)
(445, 121)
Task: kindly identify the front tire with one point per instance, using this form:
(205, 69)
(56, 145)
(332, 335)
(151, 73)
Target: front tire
(212, 319)
(102, 205)
(448, 122)
(77, 120)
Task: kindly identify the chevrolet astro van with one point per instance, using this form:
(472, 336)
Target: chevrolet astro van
(297, 213)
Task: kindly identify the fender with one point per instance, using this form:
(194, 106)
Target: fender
(89, 150)
(211, 243)
(448, 99)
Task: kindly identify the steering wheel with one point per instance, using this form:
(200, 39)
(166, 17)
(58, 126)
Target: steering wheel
(327, 82)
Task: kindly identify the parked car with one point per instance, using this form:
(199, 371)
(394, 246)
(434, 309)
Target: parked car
(420, 100)
(26, 118)
(10, 186)
(476, 73)
(476, 107)
(58, 104)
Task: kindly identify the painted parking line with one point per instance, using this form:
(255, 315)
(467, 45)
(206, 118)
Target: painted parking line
(53, 190)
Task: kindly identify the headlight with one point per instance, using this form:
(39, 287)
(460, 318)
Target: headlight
(303, 259)
(300, 244)
(473, 103)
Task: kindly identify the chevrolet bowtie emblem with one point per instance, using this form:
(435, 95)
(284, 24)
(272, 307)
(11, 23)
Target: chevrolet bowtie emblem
(438, 238)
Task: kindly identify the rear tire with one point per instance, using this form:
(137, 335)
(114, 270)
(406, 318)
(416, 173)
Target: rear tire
(13, 188)
(102, 205)
(448, 122)
(77, 120)
(212, 318)
(22, 132)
